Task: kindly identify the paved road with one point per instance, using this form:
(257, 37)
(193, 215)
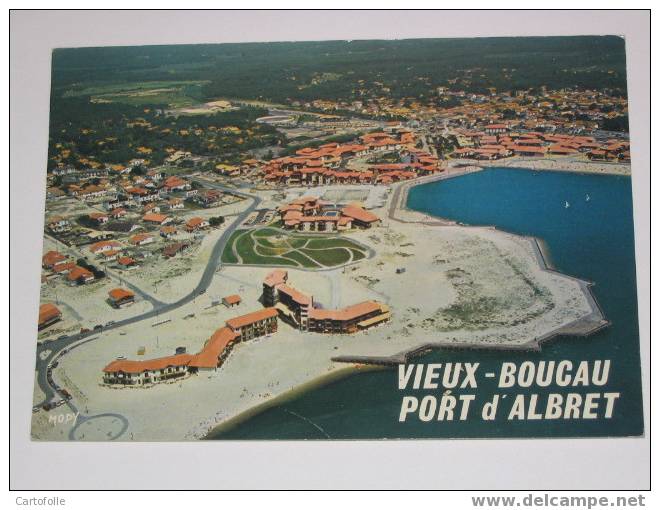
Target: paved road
(56, 346)
(78, 253)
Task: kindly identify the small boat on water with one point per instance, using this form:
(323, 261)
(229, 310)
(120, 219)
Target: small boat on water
(587, 198)
(567, 205)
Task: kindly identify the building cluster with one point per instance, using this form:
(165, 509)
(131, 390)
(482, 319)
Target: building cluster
(564, 110)
(58, 265)
(496, 141)
(326, 164)
(126, 253)
(127, 202)
(314, 214)
(211, 356)
(299, 309)
(280, 300)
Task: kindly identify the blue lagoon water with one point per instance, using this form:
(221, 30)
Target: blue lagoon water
(592, 239)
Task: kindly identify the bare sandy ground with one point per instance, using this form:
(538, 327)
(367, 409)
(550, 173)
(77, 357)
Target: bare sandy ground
(85, 306)
(70, 208)
(461, 286)
(171, 279)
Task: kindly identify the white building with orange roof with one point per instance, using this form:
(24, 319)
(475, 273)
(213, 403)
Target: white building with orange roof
(49, 314)
(52, 257)
(109, 255)
(156, 218)
(196, 223)
(80, 276)
(121, 297)
(101, 246)
(141, 239)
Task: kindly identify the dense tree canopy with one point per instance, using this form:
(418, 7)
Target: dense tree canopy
(356, 69)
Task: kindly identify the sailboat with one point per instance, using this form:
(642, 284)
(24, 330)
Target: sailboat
(587, 198)
(567, 205)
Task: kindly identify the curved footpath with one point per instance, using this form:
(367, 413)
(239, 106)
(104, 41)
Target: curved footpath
(57, 348)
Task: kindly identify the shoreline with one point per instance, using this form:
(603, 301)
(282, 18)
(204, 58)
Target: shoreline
(328, 369)
(581, 327)
(287, 396)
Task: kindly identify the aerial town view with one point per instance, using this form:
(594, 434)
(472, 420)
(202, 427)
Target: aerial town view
(231, 229)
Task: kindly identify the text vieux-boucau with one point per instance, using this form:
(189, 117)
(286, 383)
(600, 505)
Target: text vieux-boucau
(457, 376)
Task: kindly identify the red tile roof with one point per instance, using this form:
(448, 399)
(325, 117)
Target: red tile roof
(296, 295)
(104, 245)
(213, 348)
(47, 312)
(251, 318)
(63, 267)
(79, 272)
(358, 213)
(276, 277)
(52, 257)
(138, 366)
(138, 238)
(344, 314)
(154, 218)
(195, 222)
(119, 294)
(232, 299)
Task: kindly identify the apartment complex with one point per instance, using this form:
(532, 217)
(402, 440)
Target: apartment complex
(298, 309)
(210, 357)
(316, 215)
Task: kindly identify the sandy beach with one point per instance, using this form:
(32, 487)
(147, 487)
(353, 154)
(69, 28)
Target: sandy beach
(467, 287)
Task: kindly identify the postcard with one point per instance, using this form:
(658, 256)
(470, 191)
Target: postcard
(376, 239)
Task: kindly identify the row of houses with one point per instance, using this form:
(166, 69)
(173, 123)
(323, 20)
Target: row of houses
(210, 357)
(323, 165)
(500, 143)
